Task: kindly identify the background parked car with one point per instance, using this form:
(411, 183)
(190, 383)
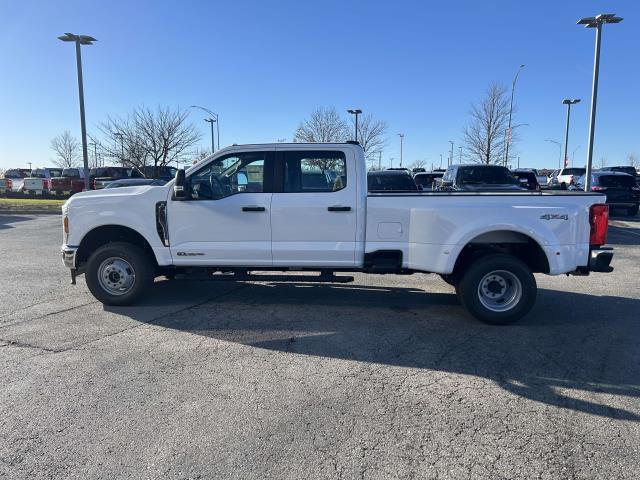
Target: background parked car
(39, 182)
(134, 182)
(69, 182)
(427, 180)
(477, 178)
(619, 188)
(628, 169)
(165, 173)
(566, 176)
(99, 177)
(527, 178)
(17, 176)
(385, 180)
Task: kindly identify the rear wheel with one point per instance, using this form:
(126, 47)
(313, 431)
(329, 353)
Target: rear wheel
(633, 211)
(118, 273)
(497, 289)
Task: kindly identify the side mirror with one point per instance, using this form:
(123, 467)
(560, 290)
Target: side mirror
(179, 190)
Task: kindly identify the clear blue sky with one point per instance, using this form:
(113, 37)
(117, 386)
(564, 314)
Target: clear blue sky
(264, 65)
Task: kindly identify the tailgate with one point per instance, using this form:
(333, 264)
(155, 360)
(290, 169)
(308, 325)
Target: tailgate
(61, 184)
(33, 184)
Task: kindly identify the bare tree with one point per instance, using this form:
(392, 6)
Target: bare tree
(200, 155)
(149, 137)
(323, 125)
(633, 160)
(371, 135)
(603, 162)
(419, 164)
(67, 150)
(484, 136)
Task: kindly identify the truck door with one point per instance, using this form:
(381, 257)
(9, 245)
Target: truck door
(313, 209)
(225, 220)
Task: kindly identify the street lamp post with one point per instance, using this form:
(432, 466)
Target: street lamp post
(211, 121)
(217, 118)
(595, 22)
(81, 40)
(460, 154)
(95, 153)
(508, 139)
(560, 154)
(573, 155)
(451, 157)
(120, 135)
(355, 112)
(401, 135)
(568, 102)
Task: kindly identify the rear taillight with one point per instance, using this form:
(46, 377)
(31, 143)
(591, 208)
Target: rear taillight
(9, 184)
(599, 221)
(93, 184)
(596, 188)
(570, 179)
(46, 184)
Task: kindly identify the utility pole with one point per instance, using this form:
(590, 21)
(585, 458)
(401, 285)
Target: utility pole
(508, 140)
(81, 40)
(568, 103)
(380, 160)
(460, 155)
(356, 112)
(595, 22)
(212, 121)
(391, 162)
(451, 156)
(121, 137)
(440, 162)
(401, 135)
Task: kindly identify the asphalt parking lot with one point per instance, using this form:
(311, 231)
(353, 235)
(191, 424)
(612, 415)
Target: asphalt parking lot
(386, 377)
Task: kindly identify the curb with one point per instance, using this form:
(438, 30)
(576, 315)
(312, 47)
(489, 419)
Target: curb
(18, 211)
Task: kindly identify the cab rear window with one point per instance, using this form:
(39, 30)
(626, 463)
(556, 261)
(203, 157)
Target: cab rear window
(616, 181)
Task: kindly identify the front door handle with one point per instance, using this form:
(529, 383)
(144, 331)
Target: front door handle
(253, 209)
(339, 208)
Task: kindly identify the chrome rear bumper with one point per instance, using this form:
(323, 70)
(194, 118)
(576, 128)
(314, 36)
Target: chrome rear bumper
(69, 256)
(600, 260)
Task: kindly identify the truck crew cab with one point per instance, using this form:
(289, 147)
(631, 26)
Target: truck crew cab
(306, 207)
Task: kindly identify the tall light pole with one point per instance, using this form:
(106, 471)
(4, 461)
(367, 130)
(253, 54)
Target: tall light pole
(560, 154)
(390, 162)
(451, 158)
(401, 135)
(120, 135)
(211, 121)
(81, 40)
(573, 155)
(440, 161)
(380, 160)
(595, 22)
(508, 139)
(214, 115)
(355, 112)
(568, 102)
(95, 153)
(460, 154)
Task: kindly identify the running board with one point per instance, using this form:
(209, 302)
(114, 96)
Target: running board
(240, 276)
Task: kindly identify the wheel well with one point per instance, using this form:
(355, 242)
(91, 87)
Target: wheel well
(104, 234)
(517, 244)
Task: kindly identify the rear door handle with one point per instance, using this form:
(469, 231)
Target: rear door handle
(339, 208)
(253, 209)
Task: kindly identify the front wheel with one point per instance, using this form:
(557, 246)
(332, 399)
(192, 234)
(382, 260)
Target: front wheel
(498, 289)
(118, 273)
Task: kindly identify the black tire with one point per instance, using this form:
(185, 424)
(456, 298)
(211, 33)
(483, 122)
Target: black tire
(508, 279)
(139, 265)
(633, 211)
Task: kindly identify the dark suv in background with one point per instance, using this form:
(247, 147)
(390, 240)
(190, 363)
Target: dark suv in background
(479, 178)
(621, 189)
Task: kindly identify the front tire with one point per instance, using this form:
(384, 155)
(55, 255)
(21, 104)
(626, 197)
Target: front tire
(498, 289)
(118, 273)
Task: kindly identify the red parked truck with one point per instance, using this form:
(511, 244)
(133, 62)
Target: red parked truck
(69, 182)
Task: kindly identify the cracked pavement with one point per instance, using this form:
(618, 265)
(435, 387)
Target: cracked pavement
(386, 377)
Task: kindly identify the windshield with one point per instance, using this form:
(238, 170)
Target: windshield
(483, 175)
(629, 170)
(71, 172)
(573, 171)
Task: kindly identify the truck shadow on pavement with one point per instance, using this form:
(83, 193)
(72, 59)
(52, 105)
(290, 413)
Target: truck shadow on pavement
(6, 221)
(568, 352)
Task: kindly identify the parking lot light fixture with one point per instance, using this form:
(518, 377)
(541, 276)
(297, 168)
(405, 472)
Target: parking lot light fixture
(401, 135)
(568, 102)
(216, 117)
(508, 139)
(595, 22)
(211, 121)
(560, 147)
(356, 112)
(81, 40)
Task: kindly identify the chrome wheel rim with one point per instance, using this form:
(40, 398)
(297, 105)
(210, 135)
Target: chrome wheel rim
(116, 276)
(499, 291)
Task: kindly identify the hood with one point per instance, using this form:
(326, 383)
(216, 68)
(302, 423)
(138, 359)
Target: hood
(118, 195)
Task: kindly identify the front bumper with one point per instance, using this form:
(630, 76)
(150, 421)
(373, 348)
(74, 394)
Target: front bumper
(69, 256)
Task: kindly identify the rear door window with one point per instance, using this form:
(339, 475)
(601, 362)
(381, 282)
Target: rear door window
(314, 171)
(620, 181)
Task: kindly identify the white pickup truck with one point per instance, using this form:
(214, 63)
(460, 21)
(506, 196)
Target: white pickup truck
(294, 207)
